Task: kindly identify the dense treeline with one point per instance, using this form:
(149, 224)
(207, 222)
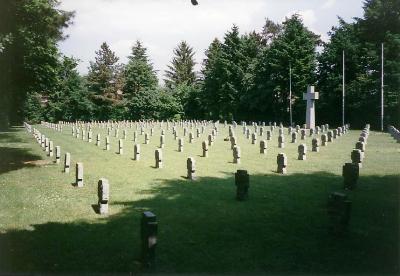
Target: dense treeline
(244, 76)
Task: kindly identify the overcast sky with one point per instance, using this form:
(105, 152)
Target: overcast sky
(162, 24)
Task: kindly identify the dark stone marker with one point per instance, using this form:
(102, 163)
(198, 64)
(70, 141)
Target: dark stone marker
(350, 174)
(242, 182)
(339, 209)
(149, 229)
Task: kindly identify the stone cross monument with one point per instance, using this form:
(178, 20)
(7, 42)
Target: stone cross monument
(310, 97)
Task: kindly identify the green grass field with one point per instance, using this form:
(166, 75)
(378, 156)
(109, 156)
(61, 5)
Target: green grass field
(48, 225)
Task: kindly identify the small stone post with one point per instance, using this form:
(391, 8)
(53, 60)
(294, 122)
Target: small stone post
(242, 182)
(103, 192)
(79, 174)
(281, 161)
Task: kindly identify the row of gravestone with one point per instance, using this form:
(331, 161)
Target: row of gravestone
(395, 133)
(339, 205)
(281, 158)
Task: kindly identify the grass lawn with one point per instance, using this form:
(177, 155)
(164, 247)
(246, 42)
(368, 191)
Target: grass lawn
(48, 225)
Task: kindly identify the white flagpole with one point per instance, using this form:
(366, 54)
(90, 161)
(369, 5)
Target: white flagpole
(290, 94)
(382, 103)
(343, 91)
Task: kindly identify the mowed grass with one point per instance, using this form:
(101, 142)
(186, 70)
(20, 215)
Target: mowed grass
(48, 225)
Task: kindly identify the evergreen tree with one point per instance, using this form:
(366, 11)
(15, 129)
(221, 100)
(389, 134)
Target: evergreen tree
(71, 100)
(105, 82)
(295, 47)
(361, 42)
(181, 70)
(139, 72)
(210, 76)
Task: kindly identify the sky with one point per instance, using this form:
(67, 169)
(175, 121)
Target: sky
(162, 24)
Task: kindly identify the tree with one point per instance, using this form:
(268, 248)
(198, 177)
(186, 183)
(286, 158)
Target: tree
(29, 32)
(181, 70)
(361, 42)
(105, 82)
(139, 73)
(295, 47)
(71, 100)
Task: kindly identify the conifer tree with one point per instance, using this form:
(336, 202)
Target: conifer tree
(139, 73)
(181, 70)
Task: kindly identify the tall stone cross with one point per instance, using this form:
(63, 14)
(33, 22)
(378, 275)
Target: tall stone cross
(310, 97)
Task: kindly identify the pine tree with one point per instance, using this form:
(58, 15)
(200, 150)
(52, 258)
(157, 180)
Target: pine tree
(105, 82)
(139, 72)
(181, 71)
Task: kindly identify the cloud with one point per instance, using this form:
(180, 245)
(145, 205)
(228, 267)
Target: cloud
(328, 4)
(162, 24)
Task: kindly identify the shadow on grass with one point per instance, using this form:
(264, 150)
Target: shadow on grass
(16, 158)
(281, 228)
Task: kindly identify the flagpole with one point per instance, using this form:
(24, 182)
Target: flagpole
(382, 103)
(343, 90)
(290, 94)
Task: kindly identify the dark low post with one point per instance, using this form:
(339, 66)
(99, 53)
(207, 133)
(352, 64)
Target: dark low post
(149, 228)
(350, 174)
(242, 182)
(339, 209)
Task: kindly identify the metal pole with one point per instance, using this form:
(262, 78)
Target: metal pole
(343, 88)
(382, 104)
(290, 94)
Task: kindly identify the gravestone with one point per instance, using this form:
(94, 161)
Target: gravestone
(159, 159)
(98, 140)
(205, 148)
(146, 138)
(315, 145)
(310, 97)
(253, 138)
(67, 162)
(330, 136)
(281, 141)
(339, 209)
(180, 144)
(162, 141)
(350, 173)
(361, 146)
(294, 137)
(51, 148)
(134, 136)
(191, 138)
(79, 174)
(233, 142)
(281, 161)
(136, 152)
(210, 140)
(356, 157)
(302, 151)
(324, 140)
(148, 235)
(103, 193)
(268, 135)
(242, 182)
(58, 154)
(263, 147)
(107, 143)
(302, 134)
(121, 146)
(90, 135)
(236, 155)
(191, 168)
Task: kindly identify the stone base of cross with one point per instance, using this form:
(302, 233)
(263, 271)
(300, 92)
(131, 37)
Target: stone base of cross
(310, 97)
